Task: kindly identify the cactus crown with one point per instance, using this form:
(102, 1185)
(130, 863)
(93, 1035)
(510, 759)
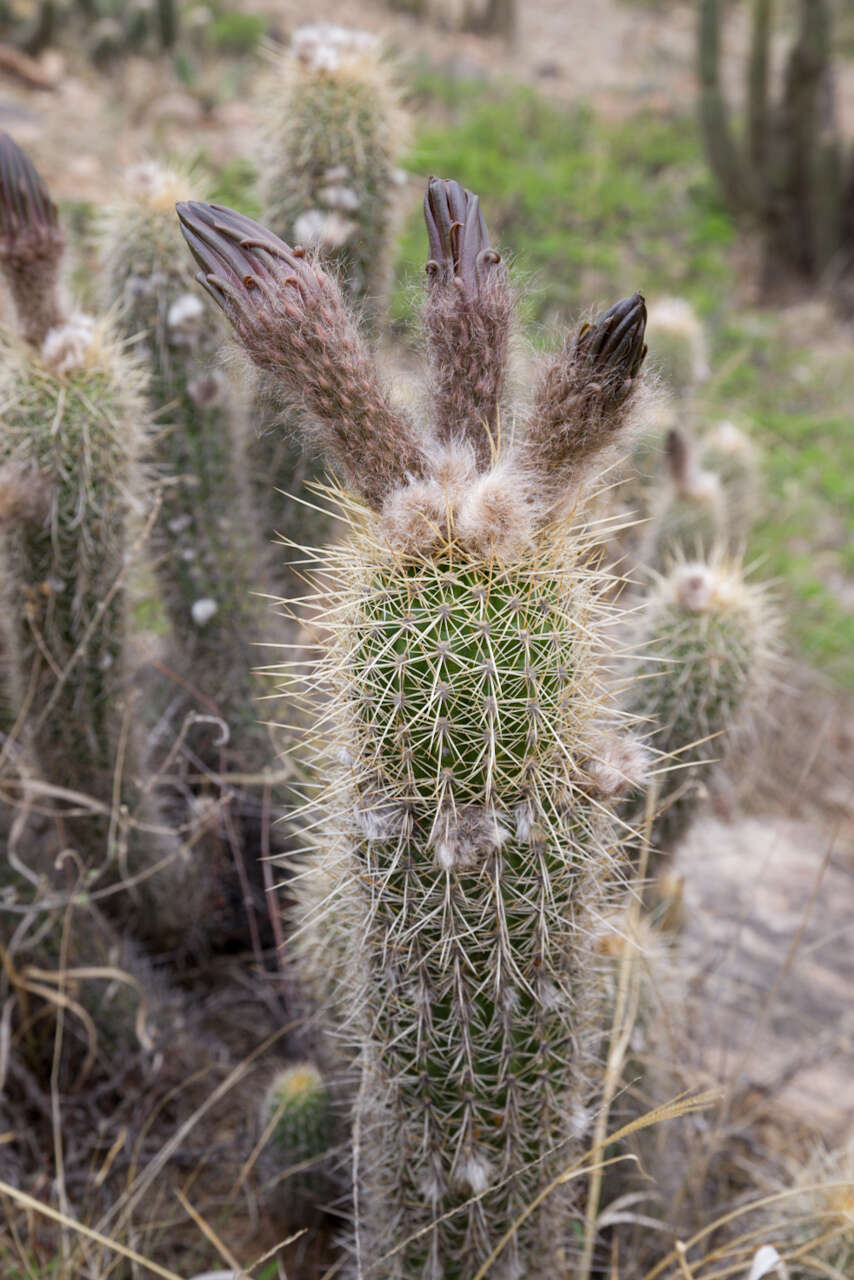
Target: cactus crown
(31, 243)
(450, 482)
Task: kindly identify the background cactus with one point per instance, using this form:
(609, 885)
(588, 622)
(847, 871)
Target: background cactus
(72, 415)
(334, 134)
(73, 421)
(297, 1119)
(731, 455)
(706, 643)
(472, 801)
(205, 554)
(790, 175)
(689, 513)
(677, 344)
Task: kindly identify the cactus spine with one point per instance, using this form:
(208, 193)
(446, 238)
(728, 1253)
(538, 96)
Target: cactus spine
(475, 764)
(706, 640)
(203, 545)
(72, 417)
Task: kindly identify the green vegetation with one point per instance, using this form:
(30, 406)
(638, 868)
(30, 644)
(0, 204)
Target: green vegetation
(588, 208)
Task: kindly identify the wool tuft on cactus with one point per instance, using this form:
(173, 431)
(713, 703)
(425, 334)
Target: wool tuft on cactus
(469, 748)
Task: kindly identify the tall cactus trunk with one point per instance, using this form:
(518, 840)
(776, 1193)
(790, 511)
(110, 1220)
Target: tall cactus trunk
(789, 179)
(471, 761)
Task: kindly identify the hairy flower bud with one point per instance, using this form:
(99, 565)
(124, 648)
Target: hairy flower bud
(290, 317)
(31, 243)
(468, 315)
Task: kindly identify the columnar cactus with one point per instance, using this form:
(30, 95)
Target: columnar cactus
(71, 421)
(333, 137)
(706, 640)
(677, 344)
(203, 542)
(473, 757)
(688, 518)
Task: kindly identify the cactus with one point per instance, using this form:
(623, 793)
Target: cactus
(73, 421)
(688, 519)
(334, 133)
(296, 1117)
(473, 760)
(71, 416)
(203, 542)
(790, 176)
(677, 344)
(706, 642)
(328, 182)
(730, 454)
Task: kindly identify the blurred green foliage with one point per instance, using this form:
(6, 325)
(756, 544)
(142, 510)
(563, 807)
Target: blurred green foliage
(588, 210)
(237, 32)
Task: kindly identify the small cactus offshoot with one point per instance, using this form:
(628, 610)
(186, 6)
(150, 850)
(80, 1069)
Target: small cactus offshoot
(469, 750)
(296, 1116)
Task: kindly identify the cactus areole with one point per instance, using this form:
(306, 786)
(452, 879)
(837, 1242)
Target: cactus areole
(472, 756)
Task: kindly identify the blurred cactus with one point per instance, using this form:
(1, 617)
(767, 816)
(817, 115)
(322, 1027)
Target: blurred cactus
(204, 546)
(72, 417)
(333, 138)
(473, 757)
(689, 513)
(706, 644)
(334, 135)
(731, 455)
(791, 175)
(73, 422)
(296, 1114)
(677, 344)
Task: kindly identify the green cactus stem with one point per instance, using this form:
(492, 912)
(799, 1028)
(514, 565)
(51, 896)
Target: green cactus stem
(204, 547)
(328, 182)
(471, 759)
(729, 453)
(677, 345)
